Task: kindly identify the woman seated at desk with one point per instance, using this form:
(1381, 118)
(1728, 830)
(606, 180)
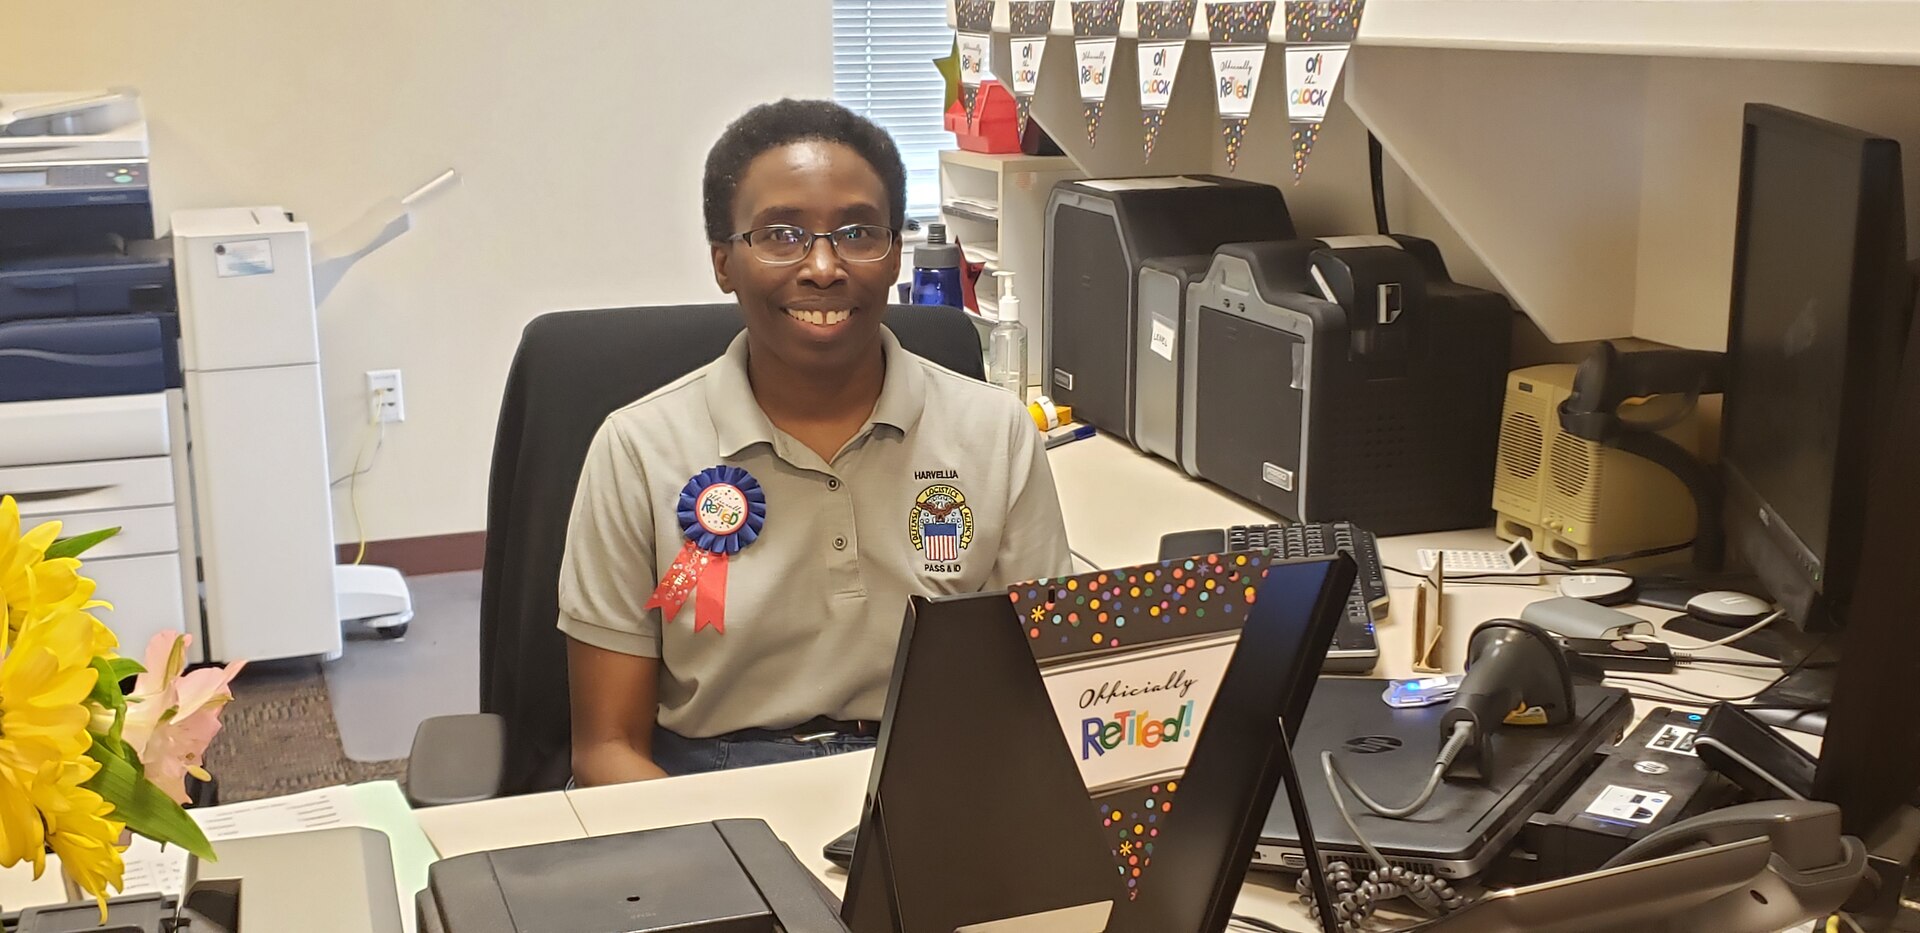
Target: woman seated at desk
(849, 473)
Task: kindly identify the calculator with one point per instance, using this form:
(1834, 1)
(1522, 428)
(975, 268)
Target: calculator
(1517, 563)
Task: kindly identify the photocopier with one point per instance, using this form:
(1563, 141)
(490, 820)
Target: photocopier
(91, 410)
(170, 387)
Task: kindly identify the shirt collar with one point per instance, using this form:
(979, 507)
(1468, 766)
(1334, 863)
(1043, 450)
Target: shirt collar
(739, 422)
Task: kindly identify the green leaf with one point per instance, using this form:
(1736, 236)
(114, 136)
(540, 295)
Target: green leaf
(107, 695)
(78, 544)
(123, 668)
(145, 808)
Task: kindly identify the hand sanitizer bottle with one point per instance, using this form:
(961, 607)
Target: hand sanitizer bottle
(1007, 343)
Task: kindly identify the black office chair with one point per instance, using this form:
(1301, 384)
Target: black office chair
(572, 369)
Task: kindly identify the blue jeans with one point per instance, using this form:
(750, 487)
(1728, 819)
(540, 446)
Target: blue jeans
(677, 755)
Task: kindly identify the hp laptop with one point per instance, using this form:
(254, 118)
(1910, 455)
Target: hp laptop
(1389, 753)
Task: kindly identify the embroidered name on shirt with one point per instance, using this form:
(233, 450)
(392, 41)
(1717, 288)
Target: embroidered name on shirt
(936, 474)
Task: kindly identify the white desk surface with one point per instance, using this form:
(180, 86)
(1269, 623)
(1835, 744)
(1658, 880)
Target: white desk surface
(526, 820)
(1117, 502)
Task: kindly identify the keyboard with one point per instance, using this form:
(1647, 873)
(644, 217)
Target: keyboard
(1355, 650)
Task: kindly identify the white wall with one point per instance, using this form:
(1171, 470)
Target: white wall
(1694, 112)
(1600, 189)
(579, 129)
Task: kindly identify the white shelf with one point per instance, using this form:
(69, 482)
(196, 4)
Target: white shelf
(1859, 31)
(972, 211)
(1581, 156)
(1883, 32)
(981, 254)
(997, 206)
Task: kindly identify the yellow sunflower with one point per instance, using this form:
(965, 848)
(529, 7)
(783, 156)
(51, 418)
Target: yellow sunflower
(45, 678)
(31, 584)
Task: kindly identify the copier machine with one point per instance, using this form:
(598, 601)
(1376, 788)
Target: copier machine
(170, 387)
(1338, 379)
(91, 412)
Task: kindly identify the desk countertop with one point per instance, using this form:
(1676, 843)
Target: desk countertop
(1117, 502)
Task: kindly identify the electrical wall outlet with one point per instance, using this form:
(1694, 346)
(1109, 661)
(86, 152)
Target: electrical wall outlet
(384, 398)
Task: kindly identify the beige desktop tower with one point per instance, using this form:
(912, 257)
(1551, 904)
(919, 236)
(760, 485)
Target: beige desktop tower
(1575, 499)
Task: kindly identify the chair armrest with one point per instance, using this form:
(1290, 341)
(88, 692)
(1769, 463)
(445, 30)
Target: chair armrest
(456, 759)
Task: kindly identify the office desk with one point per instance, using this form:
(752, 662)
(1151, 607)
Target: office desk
(500, 824)
(808, 804)
(1118, 501)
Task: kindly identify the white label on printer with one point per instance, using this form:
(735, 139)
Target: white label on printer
(243, 257)
(1277, 476)
(1063, 379)
(1161, 343)
(1626, 803)
(1675, 739)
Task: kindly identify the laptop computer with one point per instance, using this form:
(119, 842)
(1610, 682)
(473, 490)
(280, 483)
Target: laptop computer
(1389, 753)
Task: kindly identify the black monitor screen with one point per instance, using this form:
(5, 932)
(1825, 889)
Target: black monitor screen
(1793, 306)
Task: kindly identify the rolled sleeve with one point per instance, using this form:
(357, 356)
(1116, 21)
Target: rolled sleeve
(1035, 545)
(608, 573)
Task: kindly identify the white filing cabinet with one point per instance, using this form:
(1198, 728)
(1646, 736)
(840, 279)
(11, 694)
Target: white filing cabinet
(96, 463)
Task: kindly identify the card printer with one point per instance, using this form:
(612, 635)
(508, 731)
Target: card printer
(727, 876)
(1099, 233)
(1344, 379)
(86, 293)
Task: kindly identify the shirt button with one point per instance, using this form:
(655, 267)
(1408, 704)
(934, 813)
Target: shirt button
(839, 544)
(833, 483)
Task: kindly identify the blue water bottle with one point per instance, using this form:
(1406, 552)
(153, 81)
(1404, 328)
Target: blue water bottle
(936, 270)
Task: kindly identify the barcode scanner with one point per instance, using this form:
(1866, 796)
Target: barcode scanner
(1516, 673)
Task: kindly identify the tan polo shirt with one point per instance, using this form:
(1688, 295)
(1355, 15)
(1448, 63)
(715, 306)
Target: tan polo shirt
(944, 490)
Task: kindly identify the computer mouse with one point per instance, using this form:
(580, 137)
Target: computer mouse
(1726, 607)
(1607, 588)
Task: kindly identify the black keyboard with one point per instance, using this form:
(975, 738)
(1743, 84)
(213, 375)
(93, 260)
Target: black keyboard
(1355, 649)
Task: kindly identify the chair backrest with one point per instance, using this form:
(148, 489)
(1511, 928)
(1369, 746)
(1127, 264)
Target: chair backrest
(572, 369)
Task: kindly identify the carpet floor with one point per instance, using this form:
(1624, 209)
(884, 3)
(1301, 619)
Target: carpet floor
(278, 736)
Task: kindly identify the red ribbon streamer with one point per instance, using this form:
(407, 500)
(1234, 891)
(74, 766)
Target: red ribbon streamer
(710, 603)
(698, 573)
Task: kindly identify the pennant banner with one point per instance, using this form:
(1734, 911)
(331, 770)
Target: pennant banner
(1133, 714)
(1030, 21)
(1238, 35)
(1319, 35)
(975, 41)
(1164, 28)
(1096, 38)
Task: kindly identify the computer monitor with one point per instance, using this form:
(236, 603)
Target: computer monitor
(1822, 295)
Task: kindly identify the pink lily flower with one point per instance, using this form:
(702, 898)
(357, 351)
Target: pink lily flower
(172, 717)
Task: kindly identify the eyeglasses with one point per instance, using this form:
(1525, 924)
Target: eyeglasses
(784, 244)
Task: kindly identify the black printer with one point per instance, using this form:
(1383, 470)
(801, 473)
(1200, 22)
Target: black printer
(727, 876)
(1345, 379)
(1100, 232)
